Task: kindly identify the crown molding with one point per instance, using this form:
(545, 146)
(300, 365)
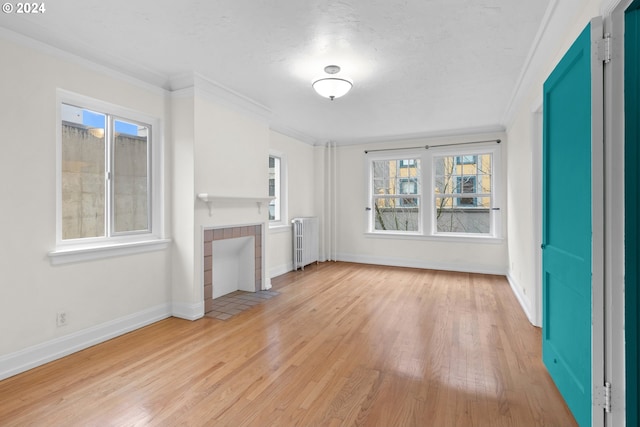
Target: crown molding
(608, 6)
(187, 92)
(518, 92)
(214, 91)
(151, 81)
(181, 81)
(196, 85)
(192, 84)
(292, 133)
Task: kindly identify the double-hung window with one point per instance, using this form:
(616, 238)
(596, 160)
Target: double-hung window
(274, 188)
(396, 195)
(435, 192)
(278, 191)
(108, 188)
(464, 197)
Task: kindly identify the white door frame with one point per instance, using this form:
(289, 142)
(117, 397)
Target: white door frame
(614, 13)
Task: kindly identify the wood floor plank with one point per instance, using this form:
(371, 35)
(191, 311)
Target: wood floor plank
(342, 344)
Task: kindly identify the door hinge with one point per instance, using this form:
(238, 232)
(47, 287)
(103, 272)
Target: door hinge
(604, 48)
(607, 397)
(603, 397)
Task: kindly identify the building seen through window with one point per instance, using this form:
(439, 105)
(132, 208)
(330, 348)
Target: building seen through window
(105, 174)
(434, 194)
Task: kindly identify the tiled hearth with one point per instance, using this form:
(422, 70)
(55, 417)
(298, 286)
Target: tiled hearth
(232, 232)
(236, 302)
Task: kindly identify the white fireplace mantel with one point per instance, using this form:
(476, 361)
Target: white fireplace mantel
(232, 200)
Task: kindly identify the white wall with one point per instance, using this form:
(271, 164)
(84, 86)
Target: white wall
(220, 148)
(232, 150)
(301, 194)
(216, 147)
(211, 145)
(118, 292)
(354, 245)
(183, 273)
(568, 20)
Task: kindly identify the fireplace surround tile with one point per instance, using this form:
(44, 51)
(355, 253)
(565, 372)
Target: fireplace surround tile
(221, 233)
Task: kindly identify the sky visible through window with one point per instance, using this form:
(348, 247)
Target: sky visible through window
(95, 120)
(92, 119)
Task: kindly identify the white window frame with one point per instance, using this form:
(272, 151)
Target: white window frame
(496, 183)
(282, 201)
(396, 156)
(428, 226)
(81, 249)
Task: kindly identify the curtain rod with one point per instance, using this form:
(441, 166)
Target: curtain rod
(426, 147)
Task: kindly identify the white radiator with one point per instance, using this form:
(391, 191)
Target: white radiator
(305, 241)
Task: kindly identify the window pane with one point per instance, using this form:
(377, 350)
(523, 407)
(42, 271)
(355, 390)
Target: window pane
(381, 186)
(445, 169)
(485, 172)
(396, 177)
(381, 177)
(459, 180)
(381, 169)
(463, 214)
(484, 184)
(465, 184)
(130, 177)
(483, 202)
(274, 188)
(408, 186)
(83, 171)
(397, 213)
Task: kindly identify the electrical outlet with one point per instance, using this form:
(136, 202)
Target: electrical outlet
(61, 318)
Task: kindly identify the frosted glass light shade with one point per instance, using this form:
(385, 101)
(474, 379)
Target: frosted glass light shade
(332, 87)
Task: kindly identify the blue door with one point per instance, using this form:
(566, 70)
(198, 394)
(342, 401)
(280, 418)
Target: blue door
(567, 227)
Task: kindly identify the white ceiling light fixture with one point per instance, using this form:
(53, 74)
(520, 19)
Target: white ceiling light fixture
(332, 87)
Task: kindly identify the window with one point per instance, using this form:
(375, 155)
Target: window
(278, 190)
(464, 196)
(275, 188)
(408, 186)
(108, 191)
(466, 159)
(393, 210)
(465, 185)
(459, 196)
(407, 163)
(105, 174)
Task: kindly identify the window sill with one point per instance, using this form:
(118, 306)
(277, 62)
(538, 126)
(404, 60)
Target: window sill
(91, 252)
(438, 238)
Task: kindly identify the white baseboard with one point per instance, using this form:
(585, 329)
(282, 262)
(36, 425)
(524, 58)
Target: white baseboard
(188, 311)
(280, 269)
(525, 303)
(31, 357)
(413, 263)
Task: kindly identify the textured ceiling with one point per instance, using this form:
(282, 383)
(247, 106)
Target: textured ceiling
(419, 67)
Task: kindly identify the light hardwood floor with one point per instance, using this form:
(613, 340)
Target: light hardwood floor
(343, 344)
